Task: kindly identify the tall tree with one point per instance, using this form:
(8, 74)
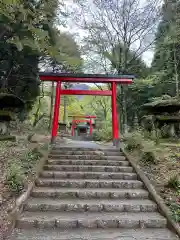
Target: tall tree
(25, 29)
(167, 52)
(137, 67)
(108, 24)
(67, 59)
(116, 29)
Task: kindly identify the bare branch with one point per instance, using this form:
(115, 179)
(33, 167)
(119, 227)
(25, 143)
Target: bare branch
(130, 24)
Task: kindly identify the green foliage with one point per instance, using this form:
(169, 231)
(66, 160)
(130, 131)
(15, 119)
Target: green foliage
(103, 134)
(15, 176)
(175, 209)
(24, 23)
(28, 36)
(29, 159)
(137, 141)
(133, 141)
(45, 146)
(148, 154)
(23, 39)
(137, 94)
(165, 131)
(70, 56)
(174, 182)
(126, 64)
(96, 135)
(18, 169)
(166, 58)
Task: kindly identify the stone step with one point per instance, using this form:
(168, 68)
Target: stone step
(94, 234)
(102, 152)
(89, 183)
(88, 162)
(88, 157)
(88, 168)
(89, 193)
(65, 220)
(112, 149)
(98, 205)
(89, 175)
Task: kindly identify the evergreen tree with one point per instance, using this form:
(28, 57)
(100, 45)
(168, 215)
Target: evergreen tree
(25, 36)
(166, 60)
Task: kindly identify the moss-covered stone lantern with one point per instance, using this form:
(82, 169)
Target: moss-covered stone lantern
(9, 104)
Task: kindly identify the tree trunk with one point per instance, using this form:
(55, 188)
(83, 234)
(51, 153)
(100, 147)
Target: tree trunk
(51, 106)
(124, 104)
(37, 116)
(124, 99)
(65, 106)
(65, 109)
(135, 122)
(125, 112)
(172, 130)
(176, 73)
(121, 110)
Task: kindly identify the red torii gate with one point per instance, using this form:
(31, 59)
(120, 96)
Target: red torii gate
(75, 121)
(87, 78)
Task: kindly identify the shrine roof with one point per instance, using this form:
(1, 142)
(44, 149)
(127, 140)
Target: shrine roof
(88, 78)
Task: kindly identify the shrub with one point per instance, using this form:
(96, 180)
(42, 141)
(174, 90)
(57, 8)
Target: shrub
(148, 157)
(29, 159)
(104, 134)
(175, 209)
(42, 125)
(174, 182)
(45, 146)
(96, 135)
(165, 131)
(133, 140)
(15, 176)
(148, 153)
(29, 138)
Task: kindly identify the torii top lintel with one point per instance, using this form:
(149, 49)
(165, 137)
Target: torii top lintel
(82, 116)
(88, 78)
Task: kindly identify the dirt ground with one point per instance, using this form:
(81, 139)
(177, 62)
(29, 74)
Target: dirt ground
(12, 151)
(167, 166)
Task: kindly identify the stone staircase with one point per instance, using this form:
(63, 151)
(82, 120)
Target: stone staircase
(90, 194)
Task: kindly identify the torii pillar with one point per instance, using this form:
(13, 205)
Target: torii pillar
(56, 112)
(115, 129)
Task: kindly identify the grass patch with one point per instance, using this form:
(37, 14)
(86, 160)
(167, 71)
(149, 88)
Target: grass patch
(134, 141)
(146, 149)
(19, 169)
(148, 157)
(175, 209)
(8, 138)
(104, 134)
(161, 164)
(15, 176)
(29, 159)
(45, 146)
(173, 182)
(148, 153)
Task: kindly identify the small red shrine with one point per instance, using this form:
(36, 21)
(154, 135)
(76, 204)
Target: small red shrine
(87, 119)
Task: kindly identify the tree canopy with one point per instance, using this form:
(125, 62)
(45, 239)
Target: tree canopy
(29, 38)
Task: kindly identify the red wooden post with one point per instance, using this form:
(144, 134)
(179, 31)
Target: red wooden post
(73, 127)
(56, 112)
(114, 115)
(91, 127)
